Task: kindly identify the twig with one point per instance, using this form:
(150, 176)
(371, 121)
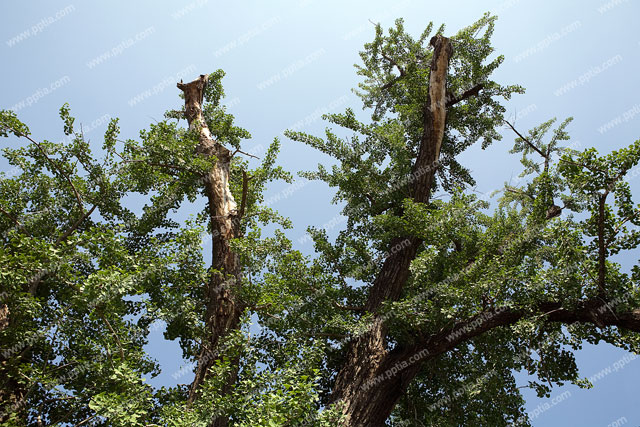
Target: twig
(536, 149)
(326, 335)
(518, 191)
(619, 226)
(242, 152)
(160, 165)
(548, 312)
(86, 420)
(582, 165)
(347, 307)
(390, 83)
(394, 63)
(15, 220)
(114, 335)
(75, 225)
(57, 167)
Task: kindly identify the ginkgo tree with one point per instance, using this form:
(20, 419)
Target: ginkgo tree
(419, 312)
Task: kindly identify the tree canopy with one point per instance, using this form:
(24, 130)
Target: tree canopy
(419, 312)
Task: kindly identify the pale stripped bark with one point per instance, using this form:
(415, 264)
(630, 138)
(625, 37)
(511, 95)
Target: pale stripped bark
(223, 310)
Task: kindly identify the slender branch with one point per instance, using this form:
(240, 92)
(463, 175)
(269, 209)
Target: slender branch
(592, 311)
(466, 94)
(56, 166)
(394, 63)
(396, 78)
(113, 332)
(75, 225)
(592, 169)
(518, 191)
(57, 399)
(245, 153)
(273, 316)
(33, 285)
(261, 306)
(326, 335)
(86, 420)
(529, 143)
(160, 165)
(390, 83)
(14, 219)
(348, 307)
(619, 226)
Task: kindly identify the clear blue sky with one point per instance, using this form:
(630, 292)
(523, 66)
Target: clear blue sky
(289, 61)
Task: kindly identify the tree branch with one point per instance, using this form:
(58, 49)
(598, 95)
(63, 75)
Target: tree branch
(593, 311)
(390, 83)
(401, 70)
(466, 94)
(619, 226)
(348, 307)
(518, 191)
(242, 152)
(14, 219)
(113, 332)
(35, 282)
(331, 335)
(75, 225)
(592, 169)
(86, 420)
(529, 143)
(160, 165)
(55, 166)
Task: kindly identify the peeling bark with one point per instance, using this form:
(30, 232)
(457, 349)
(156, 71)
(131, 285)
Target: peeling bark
(223, 308)
(4, 316)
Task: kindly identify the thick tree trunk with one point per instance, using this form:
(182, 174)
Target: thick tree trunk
(364, 386)
(12, 396)
(223, 309)
(12, 392)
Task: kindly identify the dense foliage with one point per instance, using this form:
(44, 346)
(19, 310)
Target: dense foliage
(86, 274)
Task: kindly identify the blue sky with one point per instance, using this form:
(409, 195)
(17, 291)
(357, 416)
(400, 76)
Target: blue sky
(287, 62)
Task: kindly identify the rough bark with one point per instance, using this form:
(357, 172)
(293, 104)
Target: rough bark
(364, 402)
(11, 401)
(223, 310)
(4, 316)
(12, 392)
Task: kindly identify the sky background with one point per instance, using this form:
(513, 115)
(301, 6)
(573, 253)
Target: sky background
(288, 62)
